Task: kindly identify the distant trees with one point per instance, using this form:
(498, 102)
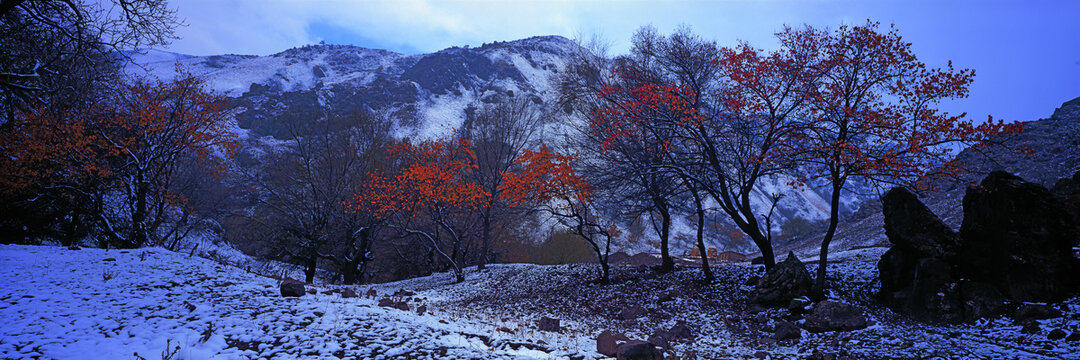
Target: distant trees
(115, 162)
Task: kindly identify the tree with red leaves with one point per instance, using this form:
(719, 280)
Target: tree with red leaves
(549, 183)
(872, 114)
(430, 189)
(118, 158)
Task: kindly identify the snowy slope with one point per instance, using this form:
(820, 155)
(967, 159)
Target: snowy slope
(56, 304)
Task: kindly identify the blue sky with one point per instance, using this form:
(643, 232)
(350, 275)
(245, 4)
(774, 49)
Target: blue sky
(1026, 54)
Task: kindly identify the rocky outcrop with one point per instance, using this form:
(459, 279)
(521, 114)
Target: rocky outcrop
(1018, 237)
(784, 282)
(1015, 244)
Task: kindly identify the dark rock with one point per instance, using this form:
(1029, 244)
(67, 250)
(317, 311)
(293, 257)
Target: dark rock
(401, 305)
(1030, 326)
(420, 310)
(292, 289)
(834, 316)
(757, 260)
(348, 293)
(607, 342)
(680, 331)
(786, 330)
(1017, 236)
(798, 305)
(1056, 334)
(754, 309)
(752, 280)
(638, 350)
(632, 312)
(548, 324)
(371, 293)
(1073, 337)
(785, 281)
(660, 338)
(912, 227)
(404, 293)
(818, 355)
(981, 300)
(312, 291)
(386, 302)
(74, 247)
(1036, 312)
(761, 354)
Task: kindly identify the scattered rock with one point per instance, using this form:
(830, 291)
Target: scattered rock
(371, 293)
(818, 355)
(386, 302)
(680, 331)
(1056, 334)
(607, 342)
(638, 350)
(74, 247)
(347, 293)
(292, 289)
(1073, 337)
(632, 312)
(548, 324)
(108, 259)
(761, 355)
(420, 310)
(312, 291)
(404, 293)
(660, 338)
(752, 280)
(834, 316)
(1036, 312)
(754, 309)
(785, 281)
(798, 305)
(1030, 326)
(401, 305)
(786, 330)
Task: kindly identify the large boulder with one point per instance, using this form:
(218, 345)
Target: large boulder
(607, 343)
(834, 316)
(638, 350)
(291, 288)
(784, 282)
(913, 228)
(1017, 236)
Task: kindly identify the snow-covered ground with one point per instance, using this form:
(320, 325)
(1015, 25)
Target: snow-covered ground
(57, 304)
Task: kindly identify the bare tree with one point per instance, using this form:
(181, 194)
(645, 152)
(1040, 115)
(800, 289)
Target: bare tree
(498, 133)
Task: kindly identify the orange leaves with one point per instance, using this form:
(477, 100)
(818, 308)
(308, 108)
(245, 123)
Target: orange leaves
(545, 176)
(431, 175)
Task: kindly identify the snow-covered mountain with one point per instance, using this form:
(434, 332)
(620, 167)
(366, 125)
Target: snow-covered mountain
(425, 95)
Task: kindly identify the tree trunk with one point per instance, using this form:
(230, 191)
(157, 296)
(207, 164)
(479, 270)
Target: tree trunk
(666, 263)
(823, 256)
(310, 266)
(701, 240)
(138, 217)
(486, 238)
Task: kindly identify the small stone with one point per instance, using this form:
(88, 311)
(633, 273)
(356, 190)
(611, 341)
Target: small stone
(421, 309)
(761, 354)
(1056, 334)
(347, 293)
(548, 324)
(786, 330)
(1030, 327)
(1073, 337)
(371, 293)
